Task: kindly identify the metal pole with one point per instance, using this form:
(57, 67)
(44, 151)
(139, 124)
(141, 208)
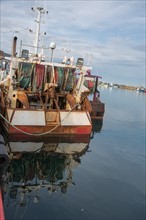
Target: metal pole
(38, 29)
(20, 48)
(52, 56)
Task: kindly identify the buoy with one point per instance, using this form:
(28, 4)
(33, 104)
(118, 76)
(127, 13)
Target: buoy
(4, 159)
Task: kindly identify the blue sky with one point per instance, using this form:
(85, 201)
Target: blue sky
(109, 34)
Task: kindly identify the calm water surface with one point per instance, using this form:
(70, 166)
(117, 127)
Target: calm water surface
(106, 182)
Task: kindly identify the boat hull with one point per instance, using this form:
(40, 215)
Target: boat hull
(69, 133)
(98, 109)
(48, 126)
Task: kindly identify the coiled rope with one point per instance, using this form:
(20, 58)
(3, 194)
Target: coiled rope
(41, 134)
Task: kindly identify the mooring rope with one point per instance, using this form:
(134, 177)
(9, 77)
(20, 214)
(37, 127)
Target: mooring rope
(41, 134)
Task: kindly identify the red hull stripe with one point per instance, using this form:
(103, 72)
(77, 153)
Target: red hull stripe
(66, 130)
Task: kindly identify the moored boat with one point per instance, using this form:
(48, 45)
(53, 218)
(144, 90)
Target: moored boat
(43, 100)
(37, 107)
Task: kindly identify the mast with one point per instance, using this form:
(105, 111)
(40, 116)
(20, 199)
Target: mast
(40, 11)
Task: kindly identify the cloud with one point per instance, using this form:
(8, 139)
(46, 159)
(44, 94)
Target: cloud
(104, 32)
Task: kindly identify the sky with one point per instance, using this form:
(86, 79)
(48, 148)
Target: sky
(108, 34)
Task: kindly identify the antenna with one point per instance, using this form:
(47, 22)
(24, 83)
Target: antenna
(40, 11)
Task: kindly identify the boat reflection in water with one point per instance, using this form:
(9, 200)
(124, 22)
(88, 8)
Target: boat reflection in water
(50, 166)
(37, 166)
(96, 126)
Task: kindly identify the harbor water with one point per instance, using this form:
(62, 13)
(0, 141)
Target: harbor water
(106, 181)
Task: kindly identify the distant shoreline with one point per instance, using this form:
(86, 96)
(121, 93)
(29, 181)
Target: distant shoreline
(135, 88)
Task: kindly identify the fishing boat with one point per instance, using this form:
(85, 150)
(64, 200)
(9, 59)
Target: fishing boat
(42, 100)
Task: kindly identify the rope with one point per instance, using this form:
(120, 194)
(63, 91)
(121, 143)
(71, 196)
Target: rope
(31, 134)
